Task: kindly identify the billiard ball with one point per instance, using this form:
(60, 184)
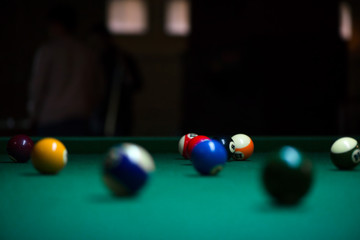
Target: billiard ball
(345, 153)
(126, 169)
(183, 142)
(287, 175)
(19, 148)
(209, 157)
(193, 142)
(228, 143)
(49, 156)
(244, 146)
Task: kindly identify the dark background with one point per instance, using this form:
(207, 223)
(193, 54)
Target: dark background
(258, 67)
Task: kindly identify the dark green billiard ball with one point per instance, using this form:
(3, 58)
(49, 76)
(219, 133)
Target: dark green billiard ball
(287, 175)
(228, 143)
(345, 153)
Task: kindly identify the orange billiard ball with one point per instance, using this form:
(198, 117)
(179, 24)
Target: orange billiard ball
(244, 146)
(49, 156)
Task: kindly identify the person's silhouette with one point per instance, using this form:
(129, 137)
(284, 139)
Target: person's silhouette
(66, 84)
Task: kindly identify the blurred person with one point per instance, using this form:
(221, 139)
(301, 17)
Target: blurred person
(66, 83)
(115, 115)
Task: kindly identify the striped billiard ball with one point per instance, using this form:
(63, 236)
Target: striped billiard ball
(287, 175)
(183, 142)
(345, 153)
(244, 147)
(127, 168)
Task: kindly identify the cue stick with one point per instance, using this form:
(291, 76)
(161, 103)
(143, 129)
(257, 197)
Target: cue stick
(113, 104)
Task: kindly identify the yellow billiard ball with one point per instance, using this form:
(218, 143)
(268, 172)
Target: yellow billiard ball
(49, 156)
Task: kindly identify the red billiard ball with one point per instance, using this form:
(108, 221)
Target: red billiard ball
(193, 142)
(19, 148)
(183, 142)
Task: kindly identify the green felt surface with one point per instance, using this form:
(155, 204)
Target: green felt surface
(177, 203)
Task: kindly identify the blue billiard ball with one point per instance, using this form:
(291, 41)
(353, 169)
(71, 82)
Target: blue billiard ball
(126, 169)
(209, 157)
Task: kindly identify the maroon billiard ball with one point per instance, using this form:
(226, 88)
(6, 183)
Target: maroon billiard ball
(19, 148)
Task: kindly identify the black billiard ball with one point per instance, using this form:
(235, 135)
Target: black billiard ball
(345, 153)
(228, 143)
(287, 175)
(19, 148)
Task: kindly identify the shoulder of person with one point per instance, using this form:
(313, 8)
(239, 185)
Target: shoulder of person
(45, 50)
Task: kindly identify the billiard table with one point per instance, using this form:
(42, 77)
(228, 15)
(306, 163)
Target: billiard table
(177, 202)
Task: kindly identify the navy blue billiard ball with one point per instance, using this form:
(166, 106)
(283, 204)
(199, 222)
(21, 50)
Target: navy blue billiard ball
(287, 175)
(19, 148)
(345, 153)
(209, 157)
(228, 144)
(127, 168)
